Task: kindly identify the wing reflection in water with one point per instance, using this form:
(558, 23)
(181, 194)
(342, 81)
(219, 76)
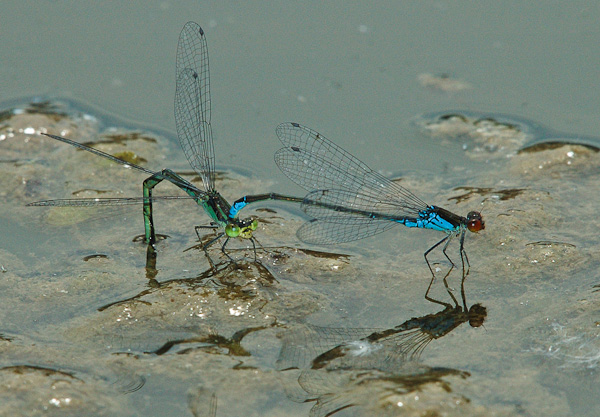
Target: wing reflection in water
(340, 368)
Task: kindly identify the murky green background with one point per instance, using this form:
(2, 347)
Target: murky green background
(87, 329)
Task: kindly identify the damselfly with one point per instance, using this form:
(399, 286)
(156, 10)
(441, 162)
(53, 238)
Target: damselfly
(192, 119)
(344, 367)
(349, 201)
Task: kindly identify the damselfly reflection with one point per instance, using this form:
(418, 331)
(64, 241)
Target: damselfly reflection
(344, 367)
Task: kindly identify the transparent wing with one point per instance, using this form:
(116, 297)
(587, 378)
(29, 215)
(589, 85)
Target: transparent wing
(352, 206)
(326, 232)
(347, 199)
(349, 348)
(344, 216)
(192, 102)
(302, 344)
(315, 163)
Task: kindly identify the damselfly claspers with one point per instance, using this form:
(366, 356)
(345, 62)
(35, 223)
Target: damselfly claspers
(192, 119)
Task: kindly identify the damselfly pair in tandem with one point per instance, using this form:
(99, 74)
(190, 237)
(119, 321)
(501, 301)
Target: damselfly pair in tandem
(347, 200)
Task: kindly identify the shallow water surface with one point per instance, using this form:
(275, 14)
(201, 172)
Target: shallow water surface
(471, 108)
(99, 326)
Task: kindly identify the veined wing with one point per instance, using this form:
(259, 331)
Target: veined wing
(343, 206)
(344, 216)
(349, 348)
(324, 232)
(315, 163)
(302, 344)
(192, 102)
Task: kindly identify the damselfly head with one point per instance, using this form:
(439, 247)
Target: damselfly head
(475, 222)
(241, 228)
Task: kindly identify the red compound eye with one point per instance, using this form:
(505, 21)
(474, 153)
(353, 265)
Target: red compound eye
(475, 222)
